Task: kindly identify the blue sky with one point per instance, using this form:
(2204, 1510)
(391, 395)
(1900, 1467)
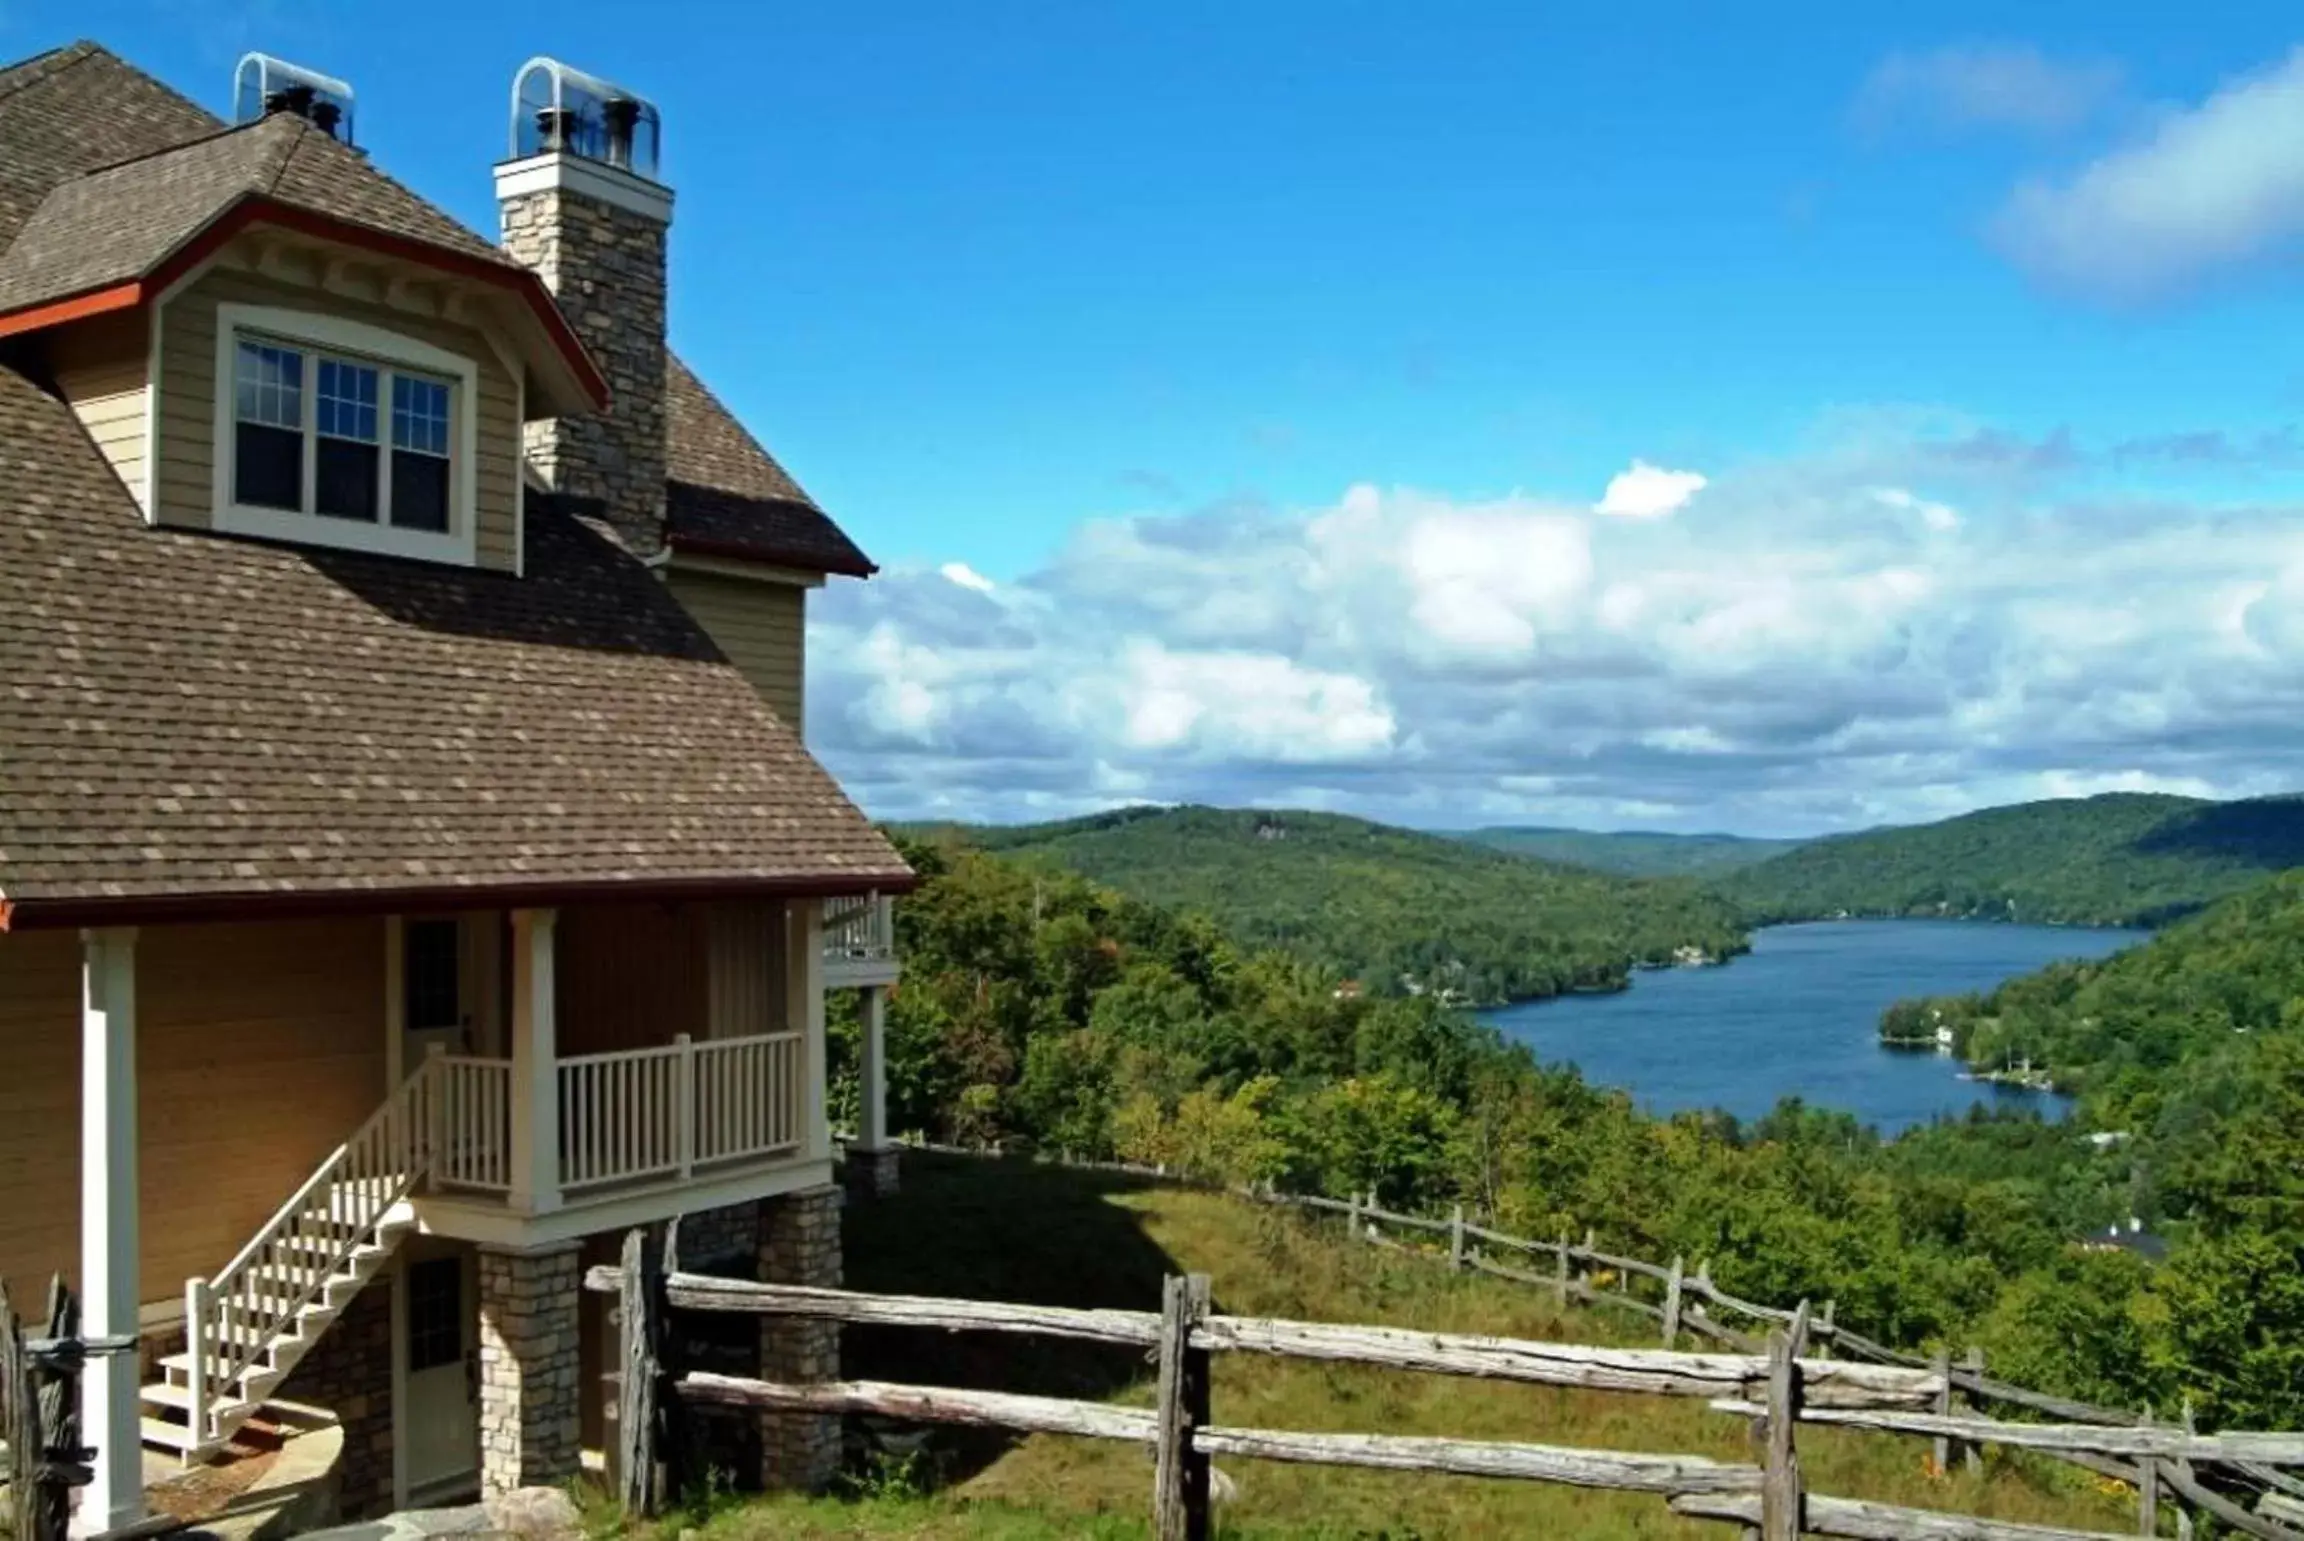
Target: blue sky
(1234, 391)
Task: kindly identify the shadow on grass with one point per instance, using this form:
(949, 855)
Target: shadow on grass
(1039, 1235)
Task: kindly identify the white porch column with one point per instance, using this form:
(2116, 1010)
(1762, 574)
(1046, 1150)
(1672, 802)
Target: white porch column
(872, 1073)
(535, 1065)
(804, 1009)
(109, 1256)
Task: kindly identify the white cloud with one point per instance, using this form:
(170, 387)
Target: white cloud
(1985, 85)
(1943, 518)
(966, 577)
(1828, 646)
(2208, 188)
(1643, 491)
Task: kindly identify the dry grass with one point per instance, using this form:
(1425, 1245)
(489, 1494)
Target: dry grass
(1018, 1232)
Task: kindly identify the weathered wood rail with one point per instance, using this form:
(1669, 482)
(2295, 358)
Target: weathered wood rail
(2215, 1480)
(1769, 1498)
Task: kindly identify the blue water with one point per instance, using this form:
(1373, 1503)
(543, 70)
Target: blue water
(1798, 1016)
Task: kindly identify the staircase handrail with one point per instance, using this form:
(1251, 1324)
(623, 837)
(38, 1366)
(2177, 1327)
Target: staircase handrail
(382, 1162)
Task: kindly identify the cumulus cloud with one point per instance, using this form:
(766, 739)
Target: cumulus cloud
(966, 577)
(1985, 85)
(1940, 517)
(1887, 627)
(1643, 491)
(2208, 188)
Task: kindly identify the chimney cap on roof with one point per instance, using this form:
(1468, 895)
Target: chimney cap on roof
(559, 109)
(263, 85)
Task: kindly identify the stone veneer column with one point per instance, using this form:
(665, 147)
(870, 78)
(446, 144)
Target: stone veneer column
(871, 1171)
(800, 1244)
(529, 1381)
(604, 259)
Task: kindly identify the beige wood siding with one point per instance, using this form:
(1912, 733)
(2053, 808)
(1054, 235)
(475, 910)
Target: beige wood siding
(258, 1049)
(762, 627)
(100, 367)
(187, 418)
(39, 1110)
(628, 976)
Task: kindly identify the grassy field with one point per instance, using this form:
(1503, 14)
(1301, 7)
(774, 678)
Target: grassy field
(1014, 1231)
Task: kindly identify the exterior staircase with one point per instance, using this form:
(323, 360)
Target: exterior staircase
(246, 1329)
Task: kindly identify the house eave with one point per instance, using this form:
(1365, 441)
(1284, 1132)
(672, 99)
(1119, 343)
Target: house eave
(255, 905)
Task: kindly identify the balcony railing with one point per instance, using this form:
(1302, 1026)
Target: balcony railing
(860, 940)
(629, 1117)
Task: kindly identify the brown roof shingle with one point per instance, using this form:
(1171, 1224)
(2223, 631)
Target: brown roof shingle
(69, 111)
(117, 222)
(186, 715)
(727, 494)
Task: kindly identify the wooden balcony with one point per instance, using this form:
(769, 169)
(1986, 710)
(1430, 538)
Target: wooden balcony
(860, 942)
(636, 1134)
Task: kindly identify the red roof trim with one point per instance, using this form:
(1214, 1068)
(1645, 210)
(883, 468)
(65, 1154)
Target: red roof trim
(744, 551)
(79, 307)
(258, 209)
(189, 909)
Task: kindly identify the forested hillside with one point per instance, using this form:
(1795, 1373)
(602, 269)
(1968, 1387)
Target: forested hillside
(2149, 1036)
(1388, 908)
(1043, 1009)
(1632, 853)
(2123, 858)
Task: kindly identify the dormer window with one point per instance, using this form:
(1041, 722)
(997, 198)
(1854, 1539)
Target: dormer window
(338, 433)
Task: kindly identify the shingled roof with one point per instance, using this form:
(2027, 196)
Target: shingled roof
(193, 725)
(190, 717)
(69, 111)
(727, 495)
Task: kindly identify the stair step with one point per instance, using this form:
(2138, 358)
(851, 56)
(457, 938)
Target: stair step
(169, 1436)
(179, 1399)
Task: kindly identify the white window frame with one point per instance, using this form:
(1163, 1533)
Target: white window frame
(363, 343)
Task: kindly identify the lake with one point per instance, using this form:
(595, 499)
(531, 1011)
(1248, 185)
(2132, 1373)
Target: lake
(1798, 1016)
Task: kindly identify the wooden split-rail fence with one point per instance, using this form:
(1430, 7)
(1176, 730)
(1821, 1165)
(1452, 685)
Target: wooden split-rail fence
(1785, 1386)
(40, 1420)
(2243, 1490)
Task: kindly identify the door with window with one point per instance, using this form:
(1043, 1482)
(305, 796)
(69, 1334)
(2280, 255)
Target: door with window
(439, 1422)
(434, 992)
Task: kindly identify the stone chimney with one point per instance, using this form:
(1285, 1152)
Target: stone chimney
(582, 206)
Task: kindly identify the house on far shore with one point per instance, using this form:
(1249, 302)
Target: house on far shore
(412, 873)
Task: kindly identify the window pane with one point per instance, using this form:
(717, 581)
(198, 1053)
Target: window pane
(268, 385)
(435, 1312)
(419, 414)
(346, 402)
(419, 491)
(268, 466)
(345, 486)
(428, 975)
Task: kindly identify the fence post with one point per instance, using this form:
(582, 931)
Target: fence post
(1781, 1498)
(1352, 1217)
(2147, 1488)
(1972, 1453)
(1942, 1445)
(1560, 1270)
(1824, 1342)
(1456, 1237)
(641, 1359)
(2184, 1469)
(1672, 1302)
(1180, 1471)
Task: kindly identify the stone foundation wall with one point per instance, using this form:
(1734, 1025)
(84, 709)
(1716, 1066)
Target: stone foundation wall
(724, 1242)
(530, 1409)
(800, 1244)
(349, 1372)
(871, 1172)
